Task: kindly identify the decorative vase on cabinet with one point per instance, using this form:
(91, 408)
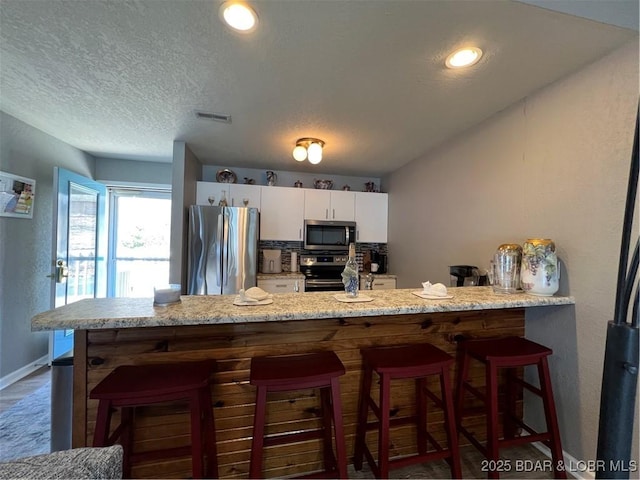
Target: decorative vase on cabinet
(540, 272)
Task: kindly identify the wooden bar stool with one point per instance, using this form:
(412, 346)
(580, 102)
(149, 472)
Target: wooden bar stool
(405, 362)
(128, 387)
(508, 353)
(295, 372)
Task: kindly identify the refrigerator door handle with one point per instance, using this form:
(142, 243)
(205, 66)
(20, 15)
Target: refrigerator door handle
(226, 264)
(219, 237)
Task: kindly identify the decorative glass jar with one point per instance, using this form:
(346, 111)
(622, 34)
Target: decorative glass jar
(540, 272)
(505, 268)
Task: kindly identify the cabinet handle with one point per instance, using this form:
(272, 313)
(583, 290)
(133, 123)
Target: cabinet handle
(300, 234)
(326, 213)
(358, 234)
(334, 213)
(281, 285)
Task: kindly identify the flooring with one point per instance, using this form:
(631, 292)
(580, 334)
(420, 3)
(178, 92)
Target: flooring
(523, 462)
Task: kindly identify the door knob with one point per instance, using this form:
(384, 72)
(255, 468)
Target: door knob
(61, 273)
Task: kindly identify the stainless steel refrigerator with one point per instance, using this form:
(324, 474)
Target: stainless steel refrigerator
(222, 249)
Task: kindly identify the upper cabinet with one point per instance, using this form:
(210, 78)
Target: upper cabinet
(371, 217)
(245, 196)
(284, 209)
(235, 194)
(209, 193)
(282, 213)
(329, 205)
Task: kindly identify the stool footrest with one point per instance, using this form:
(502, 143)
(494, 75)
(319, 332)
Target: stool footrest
(405, 461)
(394, 422)
(475, 391)
(436, 400)
(527, 385)
(472, 439)
(117, 433)
(509, 442)
(420, 458)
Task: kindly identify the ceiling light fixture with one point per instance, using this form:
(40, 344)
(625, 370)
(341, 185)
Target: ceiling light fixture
(308, 148)
(239, 16)
(464, 57)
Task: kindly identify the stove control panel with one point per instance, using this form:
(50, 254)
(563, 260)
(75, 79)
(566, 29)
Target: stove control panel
(323, 260)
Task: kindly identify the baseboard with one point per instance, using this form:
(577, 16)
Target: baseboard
(577, 468)
(23, 372)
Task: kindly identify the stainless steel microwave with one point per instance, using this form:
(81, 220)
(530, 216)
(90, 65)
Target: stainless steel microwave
(328, 235)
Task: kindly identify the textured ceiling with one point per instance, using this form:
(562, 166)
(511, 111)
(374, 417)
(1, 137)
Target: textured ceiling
(123, 78)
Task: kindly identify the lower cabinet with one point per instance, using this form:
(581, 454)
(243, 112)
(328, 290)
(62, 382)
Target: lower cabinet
(281, 285)
(384, 283)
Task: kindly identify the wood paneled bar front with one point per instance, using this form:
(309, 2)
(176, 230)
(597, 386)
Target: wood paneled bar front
(120, 331)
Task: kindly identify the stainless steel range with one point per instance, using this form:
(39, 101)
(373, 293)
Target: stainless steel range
(323, 272)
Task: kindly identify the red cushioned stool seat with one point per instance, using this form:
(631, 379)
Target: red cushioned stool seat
(508, 353)
(295, 372)
(405, 362)
(132, 386)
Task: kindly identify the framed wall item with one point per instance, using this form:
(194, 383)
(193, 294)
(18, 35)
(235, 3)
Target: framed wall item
(17, 196)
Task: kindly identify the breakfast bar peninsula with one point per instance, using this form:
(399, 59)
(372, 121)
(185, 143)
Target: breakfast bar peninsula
(132, 331)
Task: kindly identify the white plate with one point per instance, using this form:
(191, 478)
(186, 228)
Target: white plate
(237, 301)
(342, 297)
(431, 297)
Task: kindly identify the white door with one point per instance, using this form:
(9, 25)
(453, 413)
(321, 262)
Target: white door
(79, 246)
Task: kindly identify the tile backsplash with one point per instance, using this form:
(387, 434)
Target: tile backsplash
(288, 247)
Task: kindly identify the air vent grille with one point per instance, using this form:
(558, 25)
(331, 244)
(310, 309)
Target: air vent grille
(216, 117)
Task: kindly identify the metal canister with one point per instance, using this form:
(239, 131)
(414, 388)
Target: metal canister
(506, 268)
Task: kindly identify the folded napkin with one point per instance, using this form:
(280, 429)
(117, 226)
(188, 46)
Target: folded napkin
(436, 289)
(253, 294)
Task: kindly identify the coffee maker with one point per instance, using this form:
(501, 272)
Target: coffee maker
(466, 276)
(380, 259)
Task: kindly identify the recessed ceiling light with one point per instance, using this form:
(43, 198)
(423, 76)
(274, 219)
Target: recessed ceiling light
(239, 16)
(465, 57)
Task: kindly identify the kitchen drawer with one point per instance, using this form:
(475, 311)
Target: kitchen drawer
(384, 283)
(280, 285)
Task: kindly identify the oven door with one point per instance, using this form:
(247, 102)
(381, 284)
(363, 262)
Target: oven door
(323, 285)
(328, 236)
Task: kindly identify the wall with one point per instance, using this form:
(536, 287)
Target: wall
(26, 245)
(288, 178)
(187, 170)
(554, 165)
(113, 171)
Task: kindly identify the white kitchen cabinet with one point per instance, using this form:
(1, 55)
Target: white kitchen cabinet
(371, 215)
(380, 282)
(281, 213)
(384, 283)
(329, 205)
(242, 192)
(281, 285)
(204, 190)
(234, 193)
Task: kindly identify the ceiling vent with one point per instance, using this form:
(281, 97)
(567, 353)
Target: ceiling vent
(217, 117)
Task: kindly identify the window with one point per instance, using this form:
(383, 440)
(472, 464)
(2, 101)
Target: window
(139, 241)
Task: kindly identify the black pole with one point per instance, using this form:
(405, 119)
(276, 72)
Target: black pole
(620, 374)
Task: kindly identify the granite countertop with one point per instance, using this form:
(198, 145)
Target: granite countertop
(280, 276)
(379, 275)
(100, 313)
